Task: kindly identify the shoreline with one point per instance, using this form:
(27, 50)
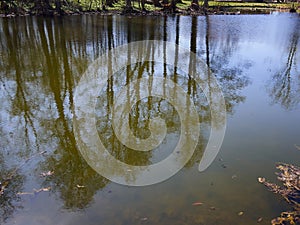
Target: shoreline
(218, 8)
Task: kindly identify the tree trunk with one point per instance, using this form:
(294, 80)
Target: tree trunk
(143, 5)
(205, 4)
(43, 7)
(173, 5)
(156, 3)
(195, 5)
(58, 7)
(128, 3)
(110, 3)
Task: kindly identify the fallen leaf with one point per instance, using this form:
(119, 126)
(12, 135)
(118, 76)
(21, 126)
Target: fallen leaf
(45, 189)
(212, 208)
(259, 219)
(25, 193)
(35, 191)
(144, 219)
(261, 179)
(241, 213)
(46, 174)
(197, 203)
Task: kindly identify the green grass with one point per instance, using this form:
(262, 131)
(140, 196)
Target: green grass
(254, 4)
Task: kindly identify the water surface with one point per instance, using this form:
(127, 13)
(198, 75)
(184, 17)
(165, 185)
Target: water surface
(256, 61)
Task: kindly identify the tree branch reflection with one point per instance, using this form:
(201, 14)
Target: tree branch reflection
(284, 86)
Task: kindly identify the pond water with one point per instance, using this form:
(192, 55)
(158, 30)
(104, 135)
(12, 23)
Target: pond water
(255, 59)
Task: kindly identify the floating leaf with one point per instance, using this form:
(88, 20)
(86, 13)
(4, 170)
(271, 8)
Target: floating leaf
(259, 219)
(25, 193)
(197, 203)
(41, 189)
(46, 174)
(261, 179)
(241, 213)
(45, 189)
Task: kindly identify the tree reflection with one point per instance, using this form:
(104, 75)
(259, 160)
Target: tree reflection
(73, 179)
(42, 60)
(284, 87)
(230, 78)
(20, 103)
(218, 54)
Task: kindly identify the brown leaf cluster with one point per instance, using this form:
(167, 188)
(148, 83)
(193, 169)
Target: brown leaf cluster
(289, 175)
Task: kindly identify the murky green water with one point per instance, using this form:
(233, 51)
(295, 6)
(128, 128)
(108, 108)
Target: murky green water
(256, 62)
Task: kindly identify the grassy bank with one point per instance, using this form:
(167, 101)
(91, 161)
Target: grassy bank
(255, 7)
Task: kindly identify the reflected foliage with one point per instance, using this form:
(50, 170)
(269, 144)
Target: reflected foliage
(73, 180)
(218, 55)
(284, 87)
(41, 61)
(11, 183)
